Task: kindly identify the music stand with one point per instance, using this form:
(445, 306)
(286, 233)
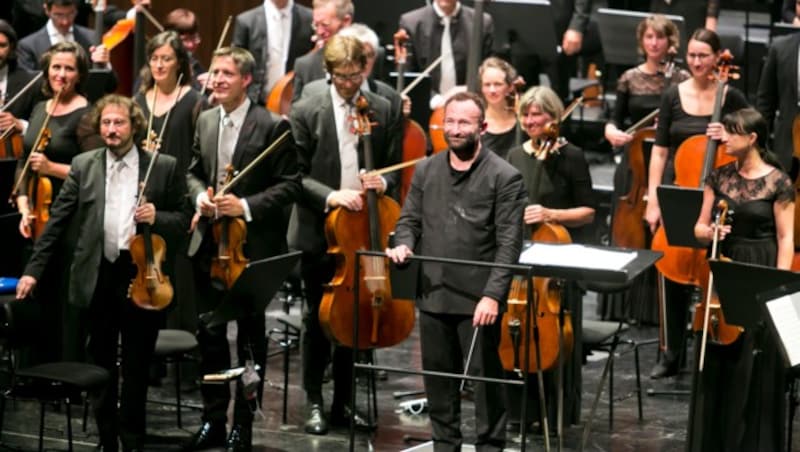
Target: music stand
(258, 283)
(617, 35)
(99, 82)
(420, 96)
(513, 22)
(680, 207)
(781, 307)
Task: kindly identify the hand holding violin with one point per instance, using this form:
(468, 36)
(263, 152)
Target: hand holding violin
(537, 213)
(8, 121)
(25, 286)
(229, 205)
(40, 163)
(146, 213)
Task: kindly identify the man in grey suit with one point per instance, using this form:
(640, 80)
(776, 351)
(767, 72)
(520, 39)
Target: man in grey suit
(60, 27)
(100, 197)
(329, 16)
(228, 138)
(778, 94)
(330, 156)
(276, 33)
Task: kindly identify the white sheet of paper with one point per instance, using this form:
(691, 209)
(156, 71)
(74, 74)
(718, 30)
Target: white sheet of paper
(576, 256)
(786, 318)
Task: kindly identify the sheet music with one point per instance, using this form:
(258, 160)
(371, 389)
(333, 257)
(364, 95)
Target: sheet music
(785, 314)
(578, 256)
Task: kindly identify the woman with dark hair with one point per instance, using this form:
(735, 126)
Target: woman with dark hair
(685, 111)
(168, 61)
(497, 78)
(743, 405)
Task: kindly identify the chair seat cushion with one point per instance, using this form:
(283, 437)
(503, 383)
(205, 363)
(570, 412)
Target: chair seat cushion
(171, 342)
(596, 332)
(80, 375)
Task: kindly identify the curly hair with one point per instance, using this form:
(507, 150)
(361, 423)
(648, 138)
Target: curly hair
(138, 122)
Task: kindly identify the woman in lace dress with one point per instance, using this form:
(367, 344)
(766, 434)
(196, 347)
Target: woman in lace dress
(739, 400)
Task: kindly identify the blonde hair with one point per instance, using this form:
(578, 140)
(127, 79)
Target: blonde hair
(543, 97)
(342, 51)
(662, 26)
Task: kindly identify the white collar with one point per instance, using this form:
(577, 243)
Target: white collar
(4, 72)
(339, 100)
(131, 158)
(441, 13)
(272, 9)
(238, 114)
(53, 31)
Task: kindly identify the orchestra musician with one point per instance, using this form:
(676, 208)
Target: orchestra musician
(789, 12)
(12, 80)
(233, 135)
(498, 80)
(103, 184)
(369, 40)
(330, 158)
(426, 28)
(184, 22)
(276, 33)
(740, 400)
(685, 111)
(471, 209)
(564, 196)
(328, 17)
(777, 96)
(695, 13)
(571, 19)
(60, 27)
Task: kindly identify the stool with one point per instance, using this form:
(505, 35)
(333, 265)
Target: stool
(174, 346)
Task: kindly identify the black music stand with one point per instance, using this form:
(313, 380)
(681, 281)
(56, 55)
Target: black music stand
(680, 207)
(617, 29)
(781, 307)
(99, 82)
(258, 283)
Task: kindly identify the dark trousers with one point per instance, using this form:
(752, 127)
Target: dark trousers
(316, 271)
(446, 340)
(215, 355)
(111, 313)
(676, 298)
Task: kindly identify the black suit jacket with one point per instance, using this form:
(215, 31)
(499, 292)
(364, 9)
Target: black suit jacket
(32, 47)
(778, 90)
(425, 30)
(268, 189)
(376, 86)
(307, 68)
(250, 32)
(82, 200)
(314, 130)
(17, 79)
(571, 14)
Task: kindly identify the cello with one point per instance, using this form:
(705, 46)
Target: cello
(694, 160)
(383, 321)
(796, 164)
(415, 143)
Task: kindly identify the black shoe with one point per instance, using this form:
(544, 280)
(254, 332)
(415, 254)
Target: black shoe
(316, 424)
(340, 417)
(211, 434)
(665, 368)
(240, 439)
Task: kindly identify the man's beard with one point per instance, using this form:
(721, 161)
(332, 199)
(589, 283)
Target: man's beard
(466, 150)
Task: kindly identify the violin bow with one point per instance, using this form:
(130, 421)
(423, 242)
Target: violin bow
(422, 75)
(395, 167)
(642, 122)
(275, 144)
(22, 173)
(219, 45)
(150, 17)
(8, 104)
(148, 142)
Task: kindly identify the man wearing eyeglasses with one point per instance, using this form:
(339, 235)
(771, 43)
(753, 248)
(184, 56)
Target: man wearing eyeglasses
(329, 16)
(276, 33)
(330, 158)
(60, 27)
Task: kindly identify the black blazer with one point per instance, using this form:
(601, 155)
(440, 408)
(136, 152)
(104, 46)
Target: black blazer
(307, 68)
(314, 129)
(32, 47)
(250, 32)
(17, 79)
(268, 189)
(425, 30)
(82, 200)
(778, 90)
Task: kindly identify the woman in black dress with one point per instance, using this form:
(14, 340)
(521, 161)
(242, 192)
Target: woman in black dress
(742, 407)
(685, 111)
(563, 195)
(498, 78)
(66, 67)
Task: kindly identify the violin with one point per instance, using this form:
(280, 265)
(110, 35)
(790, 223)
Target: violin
(11, 145)
(415, 143)
(230, 235)
(383, 321)
(708, 316)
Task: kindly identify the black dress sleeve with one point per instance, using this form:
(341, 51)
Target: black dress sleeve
(665, 116)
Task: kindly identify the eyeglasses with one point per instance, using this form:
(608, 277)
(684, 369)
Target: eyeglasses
(114, 122)
(63, 16)
(355, 77)
(163, 59)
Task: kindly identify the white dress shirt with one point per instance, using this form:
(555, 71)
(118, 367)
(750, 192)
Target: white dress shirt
(448, 78)
(343, 111)
(122, 184)
(56, 37)
(279, 30)
(4, 97)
